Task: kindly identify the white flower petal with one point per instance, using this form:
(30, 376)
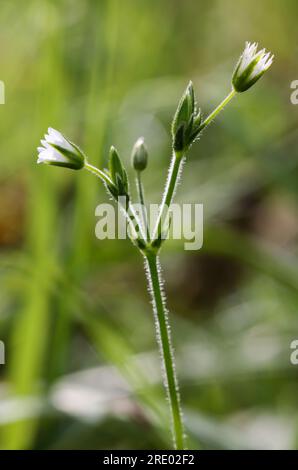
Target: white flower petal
(54, 132)
(263, 64)
(51, 155)
(45, 143)
(56, 138)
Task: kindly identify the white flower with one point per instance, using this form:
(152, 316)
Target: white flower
(58, 150)
(251, 66)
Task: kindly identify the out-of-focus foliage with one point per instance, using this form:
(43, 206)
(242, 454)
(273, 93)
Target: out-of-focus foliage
(81, 369)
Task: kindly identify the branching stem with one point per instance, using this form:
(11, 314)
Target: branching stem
(150, 251)
(129, 211)
(174, 172)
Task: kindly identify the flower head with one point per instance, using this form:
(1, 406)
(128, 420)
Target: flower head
(58, 150)
(251, 66)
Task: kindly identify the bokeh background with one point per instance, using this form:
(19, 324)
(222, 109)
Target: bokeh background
(81, 368)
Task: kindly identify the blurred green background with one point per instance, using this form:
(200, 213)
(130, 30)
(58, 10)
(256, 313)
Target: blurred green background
(81, 368)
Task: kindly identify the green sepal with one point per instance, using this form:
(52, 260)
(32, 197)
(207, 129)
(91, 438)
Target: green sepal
(185, 109)
(117, 174)
(242, 82)
(187, 121)
(178, 140)
(113, 190)
(75, 161)
(115, 165)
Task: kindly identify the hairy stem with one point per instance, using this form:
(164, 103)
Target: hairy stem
(218, 109)
(165, 346)
(99, 173)
(142, 202)
(169, 192)
(127, 208)
(134, 220)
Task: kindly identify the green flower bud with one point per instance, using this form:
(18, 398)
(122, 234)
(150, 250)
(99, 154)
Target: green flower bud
(185, 109)
(118, 175)
(186, 122)
(139, 156)
(58, 150)
(251, 66)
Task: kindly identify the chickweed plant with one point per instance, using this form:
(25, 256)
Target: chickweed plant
(187, 126)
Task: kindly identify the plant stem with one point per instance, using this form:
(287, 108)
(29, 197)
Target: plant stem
(169, 191)
(128, 210)
(142, 202)
(219, 108)
(165, 346)
(99, 173)
(132, 216)
(175, 167)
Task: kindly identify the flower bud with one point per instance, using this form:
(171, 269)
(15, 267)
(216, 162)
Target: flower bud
(139, 156)
(118, 174)
(251, 66)
(58, 150)
(186, 122)
(185, 108)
